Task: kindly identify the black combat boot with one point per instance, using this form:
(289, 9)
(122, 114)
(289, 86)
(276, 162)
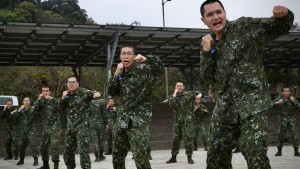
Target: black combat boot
(205, 147)
(21, 161)
(190, 160)
(149, 154)
(35, 161)
(45, 165)
(9, 157)
(109, 152)
(172, 159)
(296, 153)
(97, 159)
(279, 151)
(101, 156)
(55, 165)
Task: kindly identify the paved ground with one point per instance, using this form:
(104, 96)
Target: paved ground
(287, 161)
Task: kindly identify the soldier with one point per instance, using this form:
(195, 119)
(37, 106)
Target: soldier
(111, 112)
(76, 101)
(48, 107)
(11, 142)
(287, 121)
(132, 86)
(98, 114)
(25, 116)
(231, 60)
(200, 111)
(182, 102)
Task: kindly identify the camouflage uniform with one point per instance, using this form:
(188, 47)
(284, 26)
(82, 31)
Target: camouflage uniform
(11, 142)
(199, 124)
(183, 121)
(287, 121)
(28, 129)
(50, 112)
(97, 108)
(78, 127)
(234, 67)
(133, 90)
(110, 133)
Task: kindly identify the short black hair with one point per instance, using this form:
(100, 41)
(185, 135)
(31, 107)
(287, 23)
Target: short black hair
(46, 86)
(128, 45)
(209, 2)
(9, 100)
(179, 81)
(72, 76)
(284, 87)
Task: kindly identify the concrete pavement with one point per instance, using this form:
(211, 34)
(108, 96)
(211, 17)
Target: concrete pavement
(287, 161)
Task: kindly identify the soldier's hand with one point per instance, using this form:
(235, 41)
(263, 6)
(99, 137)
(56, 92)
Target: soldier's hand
(65, 93)
(114, 108)
(292, 99)
(206, 42)
(175, 92)
(4, 108)
(40, 96)
(96, 95)
(119, 69)
(280, 11)
(107, 127)
(140, 58)
(22, 107)
(47, 97)
(279, 101)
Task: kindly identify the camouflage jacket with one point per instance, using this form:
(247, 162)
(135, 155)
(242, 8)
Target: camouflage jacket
(111, 115)
(234, 65)
(50, 112)
(183, 106)
(98, 111)
(11, 121)
(77, 107)
(287, 108)
(200, 113)
(133, 90)
(26, 118)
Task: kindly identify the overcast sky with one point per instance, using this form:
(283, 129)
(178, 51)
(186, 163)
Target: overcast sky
(178, 13)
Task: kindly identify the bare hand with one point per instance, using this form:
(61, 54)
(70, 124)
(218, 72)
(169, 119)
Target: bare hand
(140, 58)
(279, 101)
(280, 11)
(96, 95)
(40, 96)
(48, 97)
(206, 42)
(22, 107)
(175, 92)
(292, 99)
(119, 69)
(65, 93)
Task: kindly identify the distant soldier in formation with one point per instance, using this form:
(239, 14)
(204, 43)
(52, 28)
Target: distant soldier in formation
(132, 85)
(111, 112)
(25, 115)
(200, 112)
(76, 101)
(98, 118)
(11, 143)
(183, 104)
(48, 107)
(287, 121)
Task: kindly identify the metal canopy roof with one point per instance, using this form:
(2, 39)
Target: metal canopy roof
(39, 44)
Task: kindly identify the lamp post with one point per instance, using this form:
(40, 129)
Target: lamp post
(163, 10)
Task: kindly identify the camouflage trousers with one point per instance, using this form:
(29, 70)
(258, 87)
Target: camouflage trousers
(134, 138)
(199, 127)
(252, 136)
(182, 130)
(11, 143)
(97, 137)
(81, 137)
(29, 137)
(149, 146)
(110, 134)
(288, 124)
(51, 141)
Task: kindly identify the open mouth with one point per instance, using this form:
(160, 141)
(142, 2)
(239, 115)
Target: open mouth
(217, 23)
